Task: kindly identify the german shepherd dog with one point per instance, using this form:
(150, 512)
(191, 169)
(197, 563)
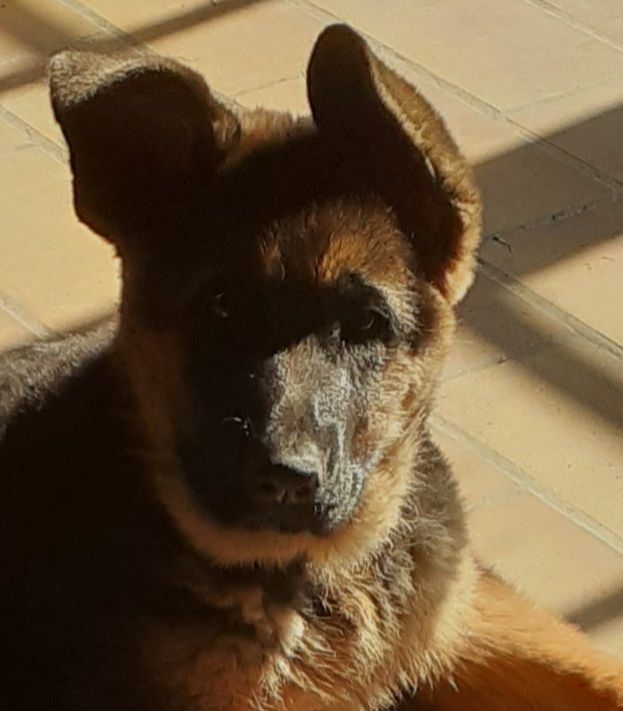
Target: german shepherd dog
(229, 499)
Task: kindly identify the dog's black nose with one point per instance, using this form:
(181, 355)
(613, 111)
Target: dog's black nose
(284, 499)
(283, 486)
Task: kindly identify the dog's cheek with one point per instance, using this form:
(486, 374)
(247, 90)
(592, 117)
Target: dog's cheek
(391, 405)
(153, 362)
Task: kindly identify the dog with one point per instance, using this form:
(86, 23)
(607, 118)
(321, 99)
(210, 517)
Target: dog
(227, 498)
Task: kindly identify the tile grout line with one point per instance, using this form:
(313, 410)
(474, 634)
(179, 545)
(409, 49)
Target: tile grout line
(100, 22)
(37, 138)
(517, 475)
(534, 300)
(514, 290)
(583, 166)
(569, 19)
(19, 314)
(267, 85)
(479, 104)
(555, 218)
(574, 91)
(486, 363)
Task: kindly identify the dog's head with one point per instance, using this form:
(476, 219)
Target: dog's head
(288, 288)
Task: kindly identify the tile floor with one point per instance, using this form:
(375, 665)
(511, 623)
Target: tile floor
(531, 408)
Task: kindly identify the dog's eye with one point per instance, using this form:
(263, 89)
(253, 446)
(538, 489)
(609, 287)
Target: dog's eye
(366, 325)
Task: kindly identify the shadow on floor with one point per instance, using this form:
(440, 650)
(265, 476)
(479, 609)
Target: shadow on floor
(598, 612)
(42, 34)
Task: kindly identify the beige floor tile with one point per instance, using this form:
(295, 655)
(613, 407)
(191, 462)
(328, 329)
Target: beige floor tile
(481, 484)
(12, 333)
(31, 103)
(604, 15)
(495, 326)
(254, 47)
(527, 185)
(51, 265)
(506, 52)
(511, 172)
(481, 138)
(576, 263)
(557, 415)
(471, 350)
(155, 15)
(11, 138)
(586, 123)
(556, 563)
(31, 29)
(289, 95)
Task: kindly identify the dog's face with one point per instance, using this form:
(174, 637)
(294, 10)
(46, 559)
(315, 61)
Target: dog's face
(287, 359)
(288, 289)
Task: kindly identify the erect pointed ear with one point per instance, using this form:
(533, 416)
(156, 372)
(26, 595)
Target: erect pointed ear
(141, 130)
(403, 143)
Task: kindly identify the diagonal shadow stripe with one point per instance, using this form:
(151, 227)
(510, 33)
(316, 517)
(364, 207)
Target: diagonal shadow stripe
(598, 612)
(37, 30)
(570, 365)
(47, 37)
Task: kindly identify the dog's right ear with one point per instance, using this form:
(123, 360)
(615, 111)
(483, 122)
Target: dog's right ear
(406, 150)
(141, 131)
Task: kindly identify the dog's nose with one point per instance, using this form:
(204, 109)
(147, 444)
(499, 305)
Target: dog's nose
(284, 486)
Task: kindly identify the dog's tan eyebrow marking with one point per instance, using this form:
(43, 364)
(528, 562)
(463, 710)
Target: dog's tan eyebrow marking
(356, 285)
(398, 304)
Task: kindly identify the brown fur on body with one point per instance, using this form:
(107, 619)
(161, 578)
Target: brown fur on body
(134, 584)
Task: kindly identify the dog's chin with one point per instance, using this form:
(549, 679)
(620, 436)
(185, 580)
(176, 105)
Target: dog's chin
(230, 545)
(317, 528)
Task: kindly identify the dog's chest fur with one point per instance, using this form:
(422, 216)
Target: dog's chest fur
(157, 626)
(247, 645)
(237, 649)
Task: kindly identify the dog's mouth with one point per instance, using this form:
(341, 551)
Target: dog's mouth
(292, 520)
(251, 494)
(211, 503)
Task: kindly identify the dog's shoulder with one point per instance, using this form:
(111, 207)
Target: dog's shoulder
(30, 375)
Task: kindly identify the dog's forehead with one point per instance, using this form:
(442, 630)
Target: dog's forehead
(345, 236)
(292, 207)
(302, 209)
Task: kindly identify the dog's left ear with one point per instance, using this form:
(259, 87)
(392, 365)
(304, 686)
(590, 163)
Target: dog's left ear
(409, 154)
(141, 131)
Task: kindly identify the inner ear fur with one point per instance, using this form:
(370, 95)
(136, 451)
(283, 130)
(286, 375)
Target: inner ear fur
(140, 130)
(407, 150)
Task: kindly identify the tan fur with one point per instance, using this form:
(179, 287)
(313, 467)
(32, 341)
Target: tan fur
(515, 657)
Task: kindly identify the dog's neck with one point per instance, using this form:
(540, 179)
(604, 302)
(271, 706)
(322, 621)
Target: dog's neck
(273, 604)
